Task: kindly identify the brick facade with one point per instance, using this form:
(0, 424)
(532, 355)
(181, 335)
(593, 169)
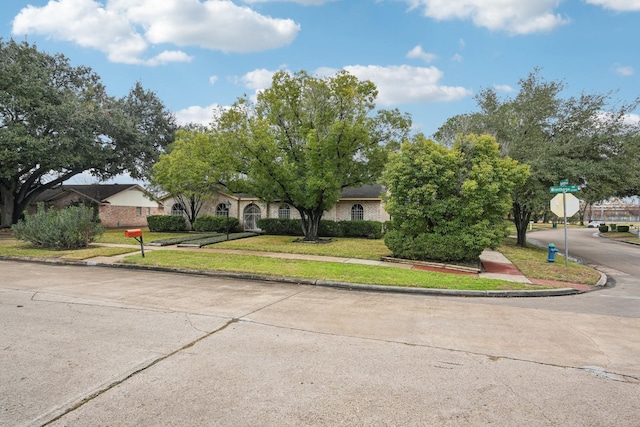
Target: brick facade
(127, 216)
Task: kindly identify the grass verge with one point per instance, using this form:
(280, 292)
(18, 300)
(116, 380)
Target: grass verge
(332, 271)
(116, 235)
(21, 249)
(532, 261)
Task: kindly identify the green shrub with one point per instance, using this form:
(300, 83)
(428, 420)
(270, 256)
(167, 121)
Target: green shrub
(280, 227)
(69, 228)
(366, 229)
(603, 228)
(450, 247)
(217, 224)
(623, 228)
(326, 228)
(163, 223)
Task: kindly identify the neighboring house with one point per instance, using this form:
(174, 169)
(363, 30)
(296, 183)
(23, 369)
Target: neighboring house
(119, 205)
(615, 209)
(362, 203)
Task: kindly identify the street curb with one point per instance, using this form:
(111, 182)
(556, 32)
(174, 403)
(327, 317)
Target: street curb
(313, 282)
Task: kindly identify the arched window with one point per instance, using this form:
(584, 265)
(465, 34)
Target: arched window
(177, 209)
(357, 212)
(251, 216)
(284, 211)
(222, 209)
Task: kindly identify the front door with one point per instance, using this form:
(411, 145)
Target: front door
(251, 217)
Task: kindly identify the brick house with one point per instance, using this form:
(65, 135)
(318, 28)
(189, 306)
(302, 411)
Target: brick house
(361, 203)
(119, 205)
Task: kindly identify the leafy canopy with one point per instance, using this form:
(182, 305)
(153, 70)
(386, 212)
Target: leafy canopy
(57, 121)
(307, 138)
(448, 204)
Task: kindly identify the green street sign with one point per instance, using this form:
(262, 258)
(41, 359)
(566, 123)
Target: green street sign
(564, 182)
(563, 189)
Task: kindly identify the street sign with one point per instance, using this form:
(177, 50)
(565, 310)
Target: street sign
(564, 182)
(572, 202)
(564, 189)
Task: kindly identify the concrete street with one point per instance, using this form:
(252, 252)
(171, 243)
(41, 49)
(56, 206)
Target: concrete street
(103, 346)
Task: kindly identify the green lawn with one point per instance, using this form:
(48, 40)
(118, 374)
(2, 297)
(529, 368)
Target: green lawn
(332, 271)
(116, 235)
(372, 249)
(22, 249)
(531, 261)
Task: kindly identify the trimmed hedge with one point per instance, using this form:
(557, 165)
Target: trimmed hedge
(162, 223)
(327, 228)
(280, 227)
(623, 228)
(217, 224)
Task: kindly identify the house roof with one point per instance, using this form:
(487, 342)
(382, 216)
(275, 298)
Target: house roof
(373, 191)
(95, 192)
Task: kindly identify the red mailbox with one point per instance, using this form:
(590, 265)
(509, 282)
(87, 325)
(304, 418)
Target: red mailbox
(136, 232)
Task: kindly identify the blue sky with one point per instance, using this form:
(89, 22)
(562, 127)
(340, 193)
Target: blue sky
(427, 57)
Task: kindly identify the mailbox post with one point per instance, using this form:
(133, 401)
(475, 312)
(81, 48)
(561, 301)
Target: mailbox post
(136, 233)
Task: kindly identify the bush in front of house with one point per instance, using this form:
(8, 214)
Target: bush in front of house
(280, 227)
(622, 229)
(166, 223)
(69, 228)
(362, 228)
(603, 228)
(216, 224)
(327, 228)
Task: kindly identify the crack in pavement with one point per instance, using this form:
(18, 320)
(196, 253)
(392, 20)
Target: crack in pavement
(599, 372)
(110, 386)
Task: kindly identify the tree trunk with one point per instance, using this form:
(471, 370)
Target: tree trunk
(310, 224)
(521, 217)
(8, 204)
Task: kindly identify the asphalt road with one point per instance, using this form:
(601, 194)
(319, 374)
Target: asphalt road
(101, 346)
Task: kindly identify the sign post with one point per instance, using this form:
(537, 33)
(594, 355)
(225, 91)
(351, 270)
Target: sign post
(570, 205)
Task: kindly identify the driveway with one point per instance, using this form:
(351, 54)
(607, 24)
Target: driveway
(102, 346)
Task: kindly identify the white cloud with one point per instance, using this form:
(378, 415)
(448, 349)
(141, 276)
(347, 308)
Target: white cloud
(418, 53)
(213, 79)
(196, 114)
(624, 70)
(167, 57)
(512, 16)
(125, 29)
(503, 88)
(401, 84)
(457, 58)
(258, 79)
(618, 5)
(404, 84)
(302, 2)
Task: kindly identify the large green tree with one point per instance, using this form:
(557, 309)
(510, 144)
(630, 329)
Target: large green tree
(57, 121)
(192, 169)
(448, 204)
(307, 138)
(582, 139)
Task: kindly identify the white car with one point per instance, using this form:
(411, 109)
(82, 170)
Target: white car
(594, 224)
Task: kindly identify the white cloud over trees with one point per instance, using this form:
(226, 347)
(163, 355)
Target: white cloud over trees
(126, 29)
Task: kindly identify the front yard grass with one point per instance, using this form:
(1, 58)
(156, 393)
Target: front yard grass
(331, 271)
(371, 249)
(116, 236)
(532, 261)
(21, 249)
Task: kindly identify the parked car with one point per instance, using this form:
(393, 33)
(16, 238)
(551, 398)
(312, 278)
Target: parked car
(594, 224)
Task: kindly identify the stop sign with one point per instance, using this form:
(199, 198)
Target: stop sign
(573, 205)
